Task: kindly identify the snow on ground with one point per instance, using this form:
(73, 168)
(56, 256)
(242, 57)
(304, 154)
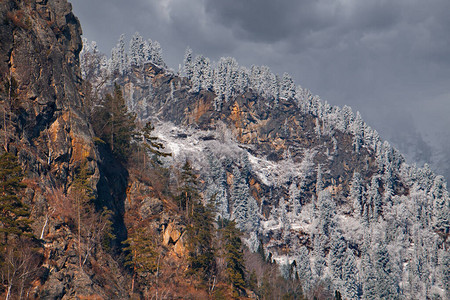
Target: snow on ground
(279, 173)
(184, 142)
(190, 143)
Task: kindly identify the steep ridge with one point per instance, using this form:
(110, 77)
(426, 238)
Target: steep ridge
(43, 122)
(40, 44)
(314, 184)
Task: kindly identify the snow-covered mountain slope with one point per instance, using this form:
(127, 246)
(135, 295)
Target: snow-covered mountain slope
(313, 184)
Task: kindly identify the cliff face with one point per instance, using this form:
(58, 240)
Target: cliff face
(43, 121)
(41, 100)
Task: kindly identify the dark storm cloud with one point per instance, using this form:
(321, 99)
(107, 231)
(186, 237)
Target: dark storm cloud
(378, 56)
(418, 29)
(270, 21)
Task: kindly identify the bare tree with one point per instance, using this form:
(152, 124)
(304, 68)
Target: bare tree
(19, 266)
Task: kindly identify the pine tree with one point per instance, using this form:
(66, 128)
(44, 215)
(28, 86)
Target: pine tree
(319, 255)
(243, 80)
(114, 63)
(319, 180)
(14, 215)
(283, 219)
(445, 272)
(136, 51)
(107, 235)
(114, 124)
(356, 194)
(273, 88)
(119, 59)
(19, 260)
(388, 183)
(92, 62)
(386, 284)
(240, 200)
(346, 117)
(294, 198)
(150, 142)
(441, 206)
(188, 63)
(217, 186)
(287, 87)
(304, 267)
(142, 256)
(234, 258)
(369, 279)
(357, 128)
(157, 58)
(337, 256)
(349, 276)
(327, 211)
(201, 74)
(148, 51)
(82, 193)
(189, 189)
(225, 80)
(374, 201)
(200, 240)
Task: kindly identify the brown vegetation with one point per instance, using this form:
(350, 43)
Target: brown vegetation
(20, 19)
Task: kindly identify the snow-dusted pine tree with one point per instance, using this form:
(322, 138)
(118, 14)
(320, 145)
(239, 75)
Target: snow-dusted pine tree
(188, 63)
(356, 194)
(350, 276)
(157, 58)
(304, 267)
(136, 50)
(287, 89)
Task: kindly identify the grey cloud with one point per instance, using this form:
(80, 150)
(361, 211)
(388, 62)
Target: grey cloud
(270, 21)
(194, 27)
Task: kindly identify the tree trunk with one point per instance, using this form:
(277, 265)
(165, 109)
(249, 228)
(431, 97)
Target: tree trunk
(79, 231)
(134, 274)
(132, 283)
(8, 294)
(112, 133)
(43, 227)
(22, 287)
(187, 206)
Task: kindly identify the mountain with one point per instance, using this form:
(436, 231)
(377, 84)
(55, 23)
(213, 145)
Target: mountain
(104, 212)
(43, 123)
(312, 184)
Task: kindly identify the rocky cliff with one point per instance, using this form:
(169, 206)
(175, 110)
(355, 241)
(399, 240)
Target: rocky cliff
(43, 122)
(42, 105)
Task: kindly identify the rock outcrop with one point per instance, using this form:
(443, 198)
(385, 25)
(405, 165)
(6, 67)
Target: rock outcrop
(42, 117)
(42, 102)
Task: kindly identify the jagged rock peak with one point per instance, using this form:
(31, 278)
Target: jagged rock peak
(41, 94)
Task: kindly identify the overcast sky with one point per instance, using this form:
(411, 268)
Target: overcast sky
(389, 59)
